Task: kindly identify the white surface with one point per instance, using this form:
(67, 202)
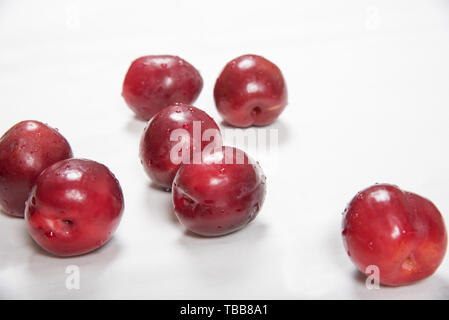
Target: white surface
(368, 102)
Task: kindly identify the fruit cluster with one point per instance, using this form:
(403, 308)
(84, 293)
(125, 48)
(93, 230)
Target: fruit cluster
(73, 206)
(181, 147)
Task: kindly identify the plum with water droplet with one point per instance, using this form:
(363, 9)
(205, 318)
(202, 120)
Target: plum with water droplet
(220, 195)
(26, 150)
(399, 232)
(176, 135)
(155, 82)
(250, 91)
(75, 207)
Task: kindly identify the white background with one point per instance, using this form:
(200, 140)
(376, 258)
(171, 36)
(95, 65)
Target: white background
(368, 102)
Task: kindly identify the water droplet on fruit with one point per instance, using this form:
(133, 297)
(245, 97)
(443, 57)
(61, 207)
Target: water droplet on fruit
(371, 246)
(186, 126)
(50, 234)
(254, 211)
(256, 207)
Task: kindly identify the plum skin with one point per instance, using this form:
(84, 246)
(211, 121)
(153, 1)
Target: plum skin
(157, 81)
(155, 144)
(26, 150)
(400, 232)
(214, 199)
(74, 207)
(250, 90)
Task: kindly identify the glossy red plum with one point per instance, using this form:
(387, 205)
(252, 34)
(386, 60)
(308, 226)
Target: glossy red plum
(176, 125)
(219, 196)
(250, 91)
(26, 150)
(154, 82)
(400, 232)
(75, 207)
